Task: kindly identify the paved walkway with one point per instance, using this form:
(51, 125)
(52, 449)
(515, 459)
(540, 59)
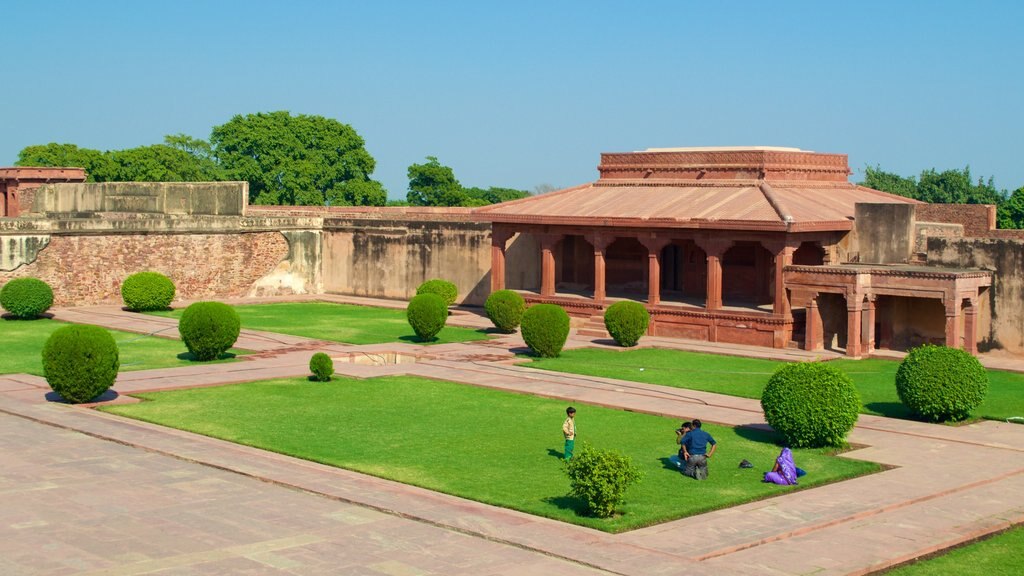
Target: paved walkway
(189, 504)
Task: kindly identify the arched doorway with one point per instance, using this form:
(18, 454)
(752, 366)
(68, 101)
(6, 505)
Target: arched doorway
(747, 275)
(626, 267)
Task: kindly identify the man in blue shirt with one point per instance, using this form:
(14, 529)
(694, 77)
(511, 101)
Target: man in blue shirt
(695, 451)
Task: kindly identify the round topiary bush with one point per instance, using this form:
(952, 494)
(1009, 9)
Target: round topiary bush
(322, 367)
(443, 288)
(940, 383)
(26, 297)
(626, 321)
(505, 309)
(545, 328)
(811, 404)
(427, 314)
(144, 291)
(209, 329)
(80, 362)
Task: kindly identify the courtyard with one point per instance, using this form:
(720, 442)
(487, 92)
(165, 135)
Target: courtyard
(187, 503)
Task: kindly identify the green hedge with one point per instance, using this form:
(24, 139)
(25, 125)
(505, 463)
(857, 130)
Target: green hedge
(427, 314)
(145, 291)
(940, 383)
(443, 288)
(80, 362)
(811, 404)
(626, 321)
(322, 367)
(505, 309)
(545, 329)
(209, 329)
(600, 478)
(26, 297)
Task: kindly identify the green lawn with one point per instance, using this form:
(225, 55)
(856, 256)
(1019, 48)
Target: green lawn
(997, 556)
(746, 377)
(487, 445)
(338, 322)
(22, 344)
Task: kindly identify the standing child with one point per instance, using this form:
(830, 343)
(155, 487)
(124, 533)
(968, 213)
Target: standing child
(569, 431)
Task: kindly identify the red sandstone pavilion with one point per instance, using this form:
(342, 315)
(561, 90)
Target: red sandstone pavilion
(739, 245)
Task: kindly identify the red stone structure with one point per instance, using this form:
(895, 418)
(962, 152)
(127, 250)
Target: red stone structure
(16, 185)
(721, 244)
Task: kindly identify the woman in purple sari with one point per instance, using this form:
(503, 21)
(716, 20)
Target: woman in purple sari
(784, 471)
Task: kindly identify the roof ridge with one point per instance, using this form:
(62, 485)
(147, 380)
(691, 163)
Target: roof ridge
(775, 202)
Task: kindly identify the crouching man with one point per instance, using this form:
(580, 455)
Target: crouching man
(695, 452)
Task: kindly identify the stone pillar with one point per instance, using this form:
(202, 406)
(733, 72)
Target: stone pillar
(13, 203)
(853, 331)
(498, 240)
(600, 244)
(811, 336)
(713, 250)
(654, 246)
(952, 322)
(869, 319)
(547, 264)
(783, 258)
(971, 326)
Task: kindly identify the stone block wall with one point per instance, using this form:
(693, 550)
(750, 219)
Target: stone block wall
(163, 198)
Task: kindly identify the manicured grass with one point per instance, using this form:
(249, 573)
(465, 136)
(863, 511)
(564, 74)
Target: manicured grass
(493, 446)
(22, 344)
(338, 322)
(997, 556)
(746, 377)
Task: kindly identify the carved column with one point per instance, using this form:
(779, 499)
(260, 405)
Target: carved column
(853, 318)
(869, 319)
(971, 326)
(811, 335)
(714, 249)
(600, 244)
(952, 322)
(498, 240)
(547, 263)
(654, 246)
(783, 257)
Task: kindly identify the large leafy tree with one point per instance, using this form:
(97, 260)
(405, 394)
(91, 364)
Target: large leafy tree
(95, 162)
(434, 184)
(161, 163)
(303, 160)
(878, 179)
(1011, 211)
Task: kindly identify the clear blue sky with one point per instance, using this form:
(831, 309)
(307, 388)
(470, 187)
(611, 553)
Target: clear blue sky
(519, 94)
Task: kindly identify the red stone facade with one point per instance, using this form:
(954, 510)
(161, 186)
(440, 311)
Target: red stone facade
(89, 269)
(17, 185)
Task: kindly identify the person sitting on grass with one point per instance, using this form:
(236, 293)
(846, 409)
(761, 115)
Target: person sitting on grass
(681, 432)
(695, 451)
(785, 471)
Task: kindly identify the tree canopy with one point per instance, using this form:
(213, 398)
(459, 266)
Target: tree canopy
(434, 184)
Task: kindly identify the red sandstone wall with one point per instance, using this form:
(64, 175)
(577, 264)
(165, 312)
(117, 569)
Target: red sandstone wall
(88, 269)
(977, 219)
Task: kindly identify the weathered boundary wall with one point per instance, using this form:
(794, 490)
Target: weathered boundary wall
(85, 260)
(1006, 297)
(171, 198)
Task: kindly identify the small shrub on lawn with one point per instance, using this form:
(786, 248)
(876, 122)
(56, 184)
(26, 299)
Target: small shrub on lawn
(145, 291)
(26, 297)
(811, 404)
(427, 314)
(80, 362)
(505, 309)
(443, 288)
(209, 329)
(626, 321)
(545, 328)
(600, 478)
(322, 367)
(940, 383)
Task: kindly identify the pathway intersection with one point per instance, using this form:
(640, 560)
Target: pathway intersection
(88, 492)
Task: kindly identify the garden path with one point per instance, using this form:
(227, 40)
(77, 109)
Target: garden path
(946, 485)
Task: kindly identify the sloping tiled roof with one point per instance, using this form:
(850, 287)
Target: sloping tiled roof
(680, 197)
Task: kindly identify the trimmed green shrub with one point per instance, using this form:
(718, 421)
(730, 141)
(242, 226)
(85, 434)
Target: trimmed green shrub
(600, 478)
(144, 291)
(626, 321)
(80, 362)
(26, 297)
(209, 329)
(427, 314)
(545, 328)
(811, 404)
(940, 383)
(505, 309)
(443, 288)
(322, 367)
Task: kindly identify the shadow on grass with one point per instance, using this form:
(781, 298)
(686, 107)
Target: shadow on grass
(759, 433)
(192, 358)
(573, 503)
(107, 396)
(890, 410)
(416, 339)
(556, 454)
(11, 317)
